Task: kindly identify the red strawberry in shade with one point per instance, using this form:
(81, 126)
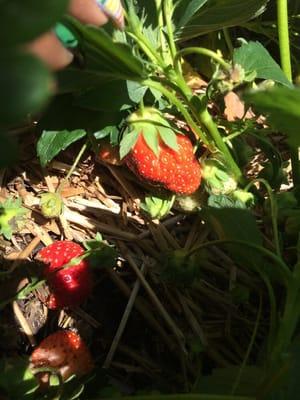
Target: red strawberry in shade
(64, 351)
(69, 286)
(109, 154)
(158, 155)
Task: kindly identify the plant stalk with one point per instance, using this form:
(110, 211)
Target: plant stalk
(168, 14)
(274, 211)
(177, 103)
(211, 127)
(284, 39)
(204, 52)
(75, 163)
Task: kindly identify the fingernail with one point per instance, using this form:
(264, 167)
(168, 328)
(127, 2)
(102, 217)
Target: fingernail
(114, 10)
(65, 36)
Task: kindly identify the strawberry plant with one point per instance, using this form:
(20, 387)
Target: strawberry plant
(188, 164)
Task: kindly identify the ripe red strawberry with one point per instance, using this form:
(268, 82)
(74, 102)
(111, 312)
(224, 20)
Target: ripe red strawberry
(65, 351)
(159, 155)
(178, 171)
(68, 286)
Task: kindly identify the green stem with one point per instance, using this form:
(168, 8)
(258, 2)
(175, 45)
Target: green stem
(284, 269)
(205, 52)
(147, 49)
(204, 119)
(228, 40)
(75, 163)
(295, 165)
(284, 40)
(211, 127)
(274, 211)
(168, 14)
(286, 64)
(177, 103)
(160, 18)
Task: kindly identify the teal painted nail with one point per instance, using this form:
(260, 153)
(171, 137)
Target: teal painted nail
(65, 36)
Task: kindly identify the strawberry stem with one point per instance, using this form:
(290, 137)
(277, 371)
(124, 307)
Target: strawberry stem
(204, 52)
(77, 159)
(274, 210)
(168, 14)
(211, 127)
(160, 17)
(284, 39)
(178, 104)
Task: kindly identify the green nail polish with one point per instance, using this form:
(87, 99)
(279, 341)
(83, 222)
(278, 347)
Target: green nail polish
(65, 36)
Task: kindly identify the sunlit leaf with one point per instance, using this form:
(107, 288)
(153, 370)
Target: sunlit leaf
(215, 15)
(52, 142)
(253, 56)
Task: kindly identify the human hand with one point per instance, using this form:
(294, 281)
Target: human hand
(48, 47)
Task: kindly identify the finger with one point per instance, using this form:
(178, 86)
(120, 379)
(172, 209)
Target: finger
(114, 9)
(49, 49)
(88, 12)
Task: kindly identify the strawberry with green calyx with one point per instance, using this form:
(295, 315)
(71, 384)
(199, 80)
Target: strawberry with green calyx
(158, 155)
(217, 180)
(157, 207)
(65, 352)
(13, 217)
(69, 279)
(51, 205)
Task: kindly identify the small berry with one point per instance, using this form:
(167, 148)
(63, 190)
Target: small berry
(64, 351)
(69, 286)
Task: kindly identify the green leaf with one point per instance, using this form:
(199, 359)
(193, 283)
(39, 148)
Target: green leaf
(102, 254)
(157, 207)
(127, 143)
(72, 79)
(136, 91)
(104, 55)
(281, 106)
(222, 220)
(151, 138)
(12, 217)
(111, 96)
(52, 142)
(107, 131)
(168, 137)
(216, 15)
(22, 21)
(25, 86)
(224, 223)
(224, 201)
(190, 10)
(62, 114)
(253, 56)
